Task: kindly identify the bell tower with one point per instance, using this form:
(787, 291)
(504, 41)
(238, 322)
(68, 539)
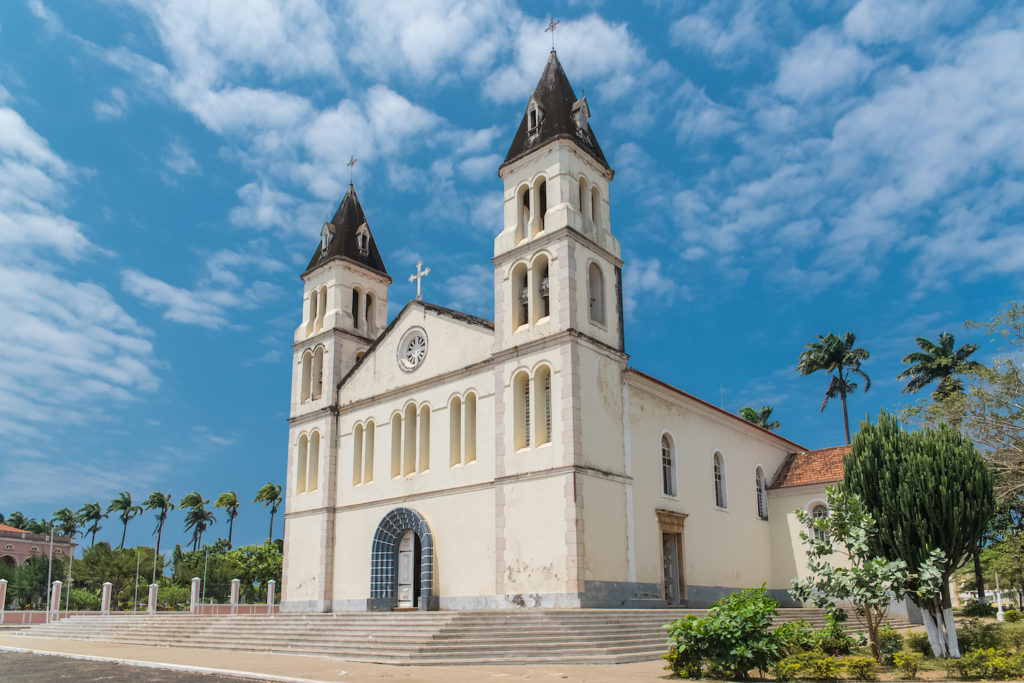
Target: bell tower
(344, 309)
(557, 266)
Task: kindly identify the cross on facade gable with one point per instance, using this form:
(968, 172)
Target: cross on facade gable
(351, 167)
(552, 25)
(417, 278)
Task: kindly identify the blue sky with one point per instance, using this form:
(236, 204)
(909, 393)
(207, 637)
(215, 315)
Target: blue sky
(782, 170)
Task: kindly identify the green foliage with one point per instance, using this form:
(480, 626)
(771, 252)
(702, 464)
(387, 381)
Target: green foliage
(270, 495)
(28, 584)
(807, 665)
(839, 356)
(731, 640)
(977, 635)
(918, 642)
(1011, 616)
(942, 362)
(832, 638)
(172, 596)
(989, 664)
(795, 637)
(128, 510)
(861, 668)
(973, 608)
(908, 663)
(84, 599)
(762, 417)
(100, 563)
(890, 641)
(252, 565)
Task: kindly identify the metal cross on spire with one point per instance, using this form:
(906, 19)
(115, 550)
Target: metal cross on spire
(351, 167)
(552, 25)
(418, 279)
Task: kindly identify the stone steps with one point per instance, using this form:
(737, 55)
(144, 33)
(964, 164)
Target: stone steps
(437, 638)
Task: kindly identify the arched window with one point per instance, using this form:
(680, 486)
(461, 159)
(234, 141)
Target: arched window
(542, 206)
(668, 466)
(819, 511)
(584, 205)
(455, 432)
(396, 446)
(357, 455)
(520, 295)
(542, 393)
(469, 424)
(355, 307)
(313, 480)
(718, 462)
(301, 456)
(424, 438)
(307, 376)
(321, 308)
(521, 411)
(595, 206)
(370, 326)
(409, 451)
(541, 300)
(524, 217)
(369, 435)
(313, 308)
(318, 372)
(762, 493)
(595, 287)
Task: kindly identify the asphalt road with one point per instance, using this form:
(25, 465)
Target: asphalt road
(16, 667)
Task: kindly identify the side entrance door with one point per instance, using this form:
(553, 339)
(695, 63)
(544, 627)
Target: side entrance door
(670, 553)
(406, 567)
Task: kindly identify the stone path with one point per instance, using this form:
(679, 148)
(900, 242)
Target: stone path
(29, 668)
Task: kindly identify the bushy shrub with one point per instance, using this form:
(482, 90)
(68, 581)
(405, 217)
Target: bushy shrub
(84, 599)
(973, 608)
(731, 640)
(978, 635)
(173, 597)
(907, 663)
(989, 664)
(1012, 616)
(890, 641)
(918, 642)
(861, 668)
(795, 637)
(1012, 636)
(812, 665)
(833, 639)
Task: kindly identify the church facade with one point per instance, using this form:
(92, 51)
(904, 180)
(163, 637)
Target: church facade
(444, 461)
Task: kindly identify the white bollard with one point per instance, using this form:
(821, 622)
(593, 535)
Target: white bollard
(3, 598)
(55, 592)
(234, 596)
(105, 598)
(152, 598)
(193, 600)
(271, 585)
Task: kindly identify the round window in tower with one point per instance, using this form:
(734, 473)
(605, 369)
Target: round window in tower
(412, 349)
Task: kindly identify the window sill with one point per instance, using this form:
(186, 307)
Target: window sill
(721, 509)
(668, 497)
(542, 321)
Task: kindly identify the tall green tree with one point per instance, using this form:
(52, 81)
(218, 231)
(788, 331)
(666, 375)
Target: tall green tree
(929, 489)
(17, 520)
(270, 495)
(163, 504)
(127, 510)
(762, 417)
(67, 522)
(229, 502)
(840, 357)
(941, 362)
(198, 518)
(91, 514)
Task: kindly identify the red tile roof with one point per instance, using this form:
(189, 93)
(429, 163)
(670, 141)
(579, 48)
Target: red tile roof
(4, 527)
(821, 466)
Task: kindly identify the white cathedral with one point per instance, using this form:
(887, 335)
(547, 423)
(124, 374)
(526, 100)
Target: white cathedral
(444, 461)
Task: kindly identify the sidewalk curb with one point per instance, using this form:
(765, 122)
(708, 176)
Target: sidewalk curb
(165, 665)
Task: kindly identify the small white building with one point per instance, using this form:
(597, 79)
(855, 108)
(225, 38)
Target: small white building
(446, 461)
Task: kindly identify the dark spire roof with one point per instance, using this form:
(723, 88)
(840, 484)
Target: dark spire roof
(346, 222)
(560, 112)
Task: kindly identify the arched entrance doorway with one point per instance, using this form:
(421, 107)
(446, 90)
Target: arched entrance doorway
(402, 557)
(9, 561)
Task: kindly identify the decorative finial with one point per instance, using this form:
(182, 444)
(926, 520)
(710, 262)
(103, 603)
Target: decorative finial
(351, 167)
(418, 279)
(552, 25)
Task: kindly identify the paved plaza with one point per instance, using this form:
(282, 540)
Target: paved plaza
(214, 666)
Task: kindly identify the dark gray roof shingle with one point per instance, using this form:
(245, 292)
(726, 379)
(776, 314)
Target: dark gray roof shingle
(346, 222)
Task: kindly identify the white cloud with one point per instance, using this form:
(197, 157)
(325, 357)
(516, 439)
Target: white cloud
(875, 21)
(114, 107)
(727, 31)
(472, 291)
(178, 159)
(183, 306)
(643, 284)
(821, 63)
(699, 117)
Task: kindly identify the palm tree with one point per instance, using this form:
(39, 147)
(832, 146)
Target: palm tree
(92, 513)
(836, 355)
(162, 503)
(67, 522)
(939, 362)
(270, 495)
(190, 502)
(229, 501)
(123, 504)
(762, 418)
(198, 518)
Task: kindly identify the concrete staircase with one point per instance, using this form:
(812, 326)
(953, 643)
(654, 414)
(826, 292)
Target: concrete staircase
(436, 638)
